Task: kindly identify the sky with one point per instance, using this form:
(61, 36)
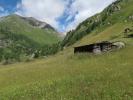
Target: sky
(64, 15)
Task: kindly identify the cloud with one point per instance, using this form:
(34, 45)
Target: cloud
(86, 9)
(3, 12)
(1, 9)
(45, 10)
(64, 15)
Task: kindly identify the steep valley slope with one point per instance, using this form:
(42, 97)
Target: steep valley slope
(22, 37)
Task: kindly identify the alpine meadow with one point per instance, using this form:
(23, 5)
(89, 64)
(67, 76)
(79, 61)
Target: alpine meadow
(92, 62)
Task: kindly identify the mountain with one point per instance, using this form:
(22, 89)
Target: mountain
(37, 31)
(34, 22)
(69, 76)
(25, 33)
(118, 12)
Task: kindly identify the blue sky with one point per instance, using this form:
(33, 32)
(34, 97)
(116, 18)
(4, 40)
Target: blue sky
(9, 5)
(64, 15)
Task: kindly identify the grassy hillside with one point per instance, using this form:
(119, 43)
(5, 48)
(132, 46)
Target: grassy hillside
(66, 76)
(119, 11)
(19, 39)
(17, 26)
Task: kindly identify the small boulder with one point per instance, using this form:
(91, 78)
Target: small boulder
(119, 45)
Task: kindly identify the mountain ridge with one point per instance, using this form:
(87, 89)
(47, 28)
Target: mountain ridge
(32, 21)
(100, 21)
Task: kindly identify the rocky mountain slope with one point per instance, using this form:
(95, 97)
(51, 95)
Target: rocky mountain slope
(34, 22)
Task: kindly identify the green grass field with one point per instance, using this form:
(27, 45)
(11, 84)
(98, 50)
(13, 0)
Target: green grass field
(69, 76)
(66, 76)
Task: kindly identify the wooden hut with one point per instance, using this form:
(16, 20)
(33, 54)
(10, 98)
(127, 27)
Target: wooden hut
(94, 48)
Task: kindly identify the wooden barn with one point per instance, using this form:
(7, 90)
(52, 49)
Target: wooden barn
(95, 48)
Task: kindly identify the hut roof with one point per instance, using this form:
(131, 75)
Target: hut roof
(97, 43)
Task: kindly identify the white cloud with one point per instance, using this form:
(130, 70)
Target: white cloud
(86, 9)
(45, 10)
(50, 10)
(1, 9)
(3, 12)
